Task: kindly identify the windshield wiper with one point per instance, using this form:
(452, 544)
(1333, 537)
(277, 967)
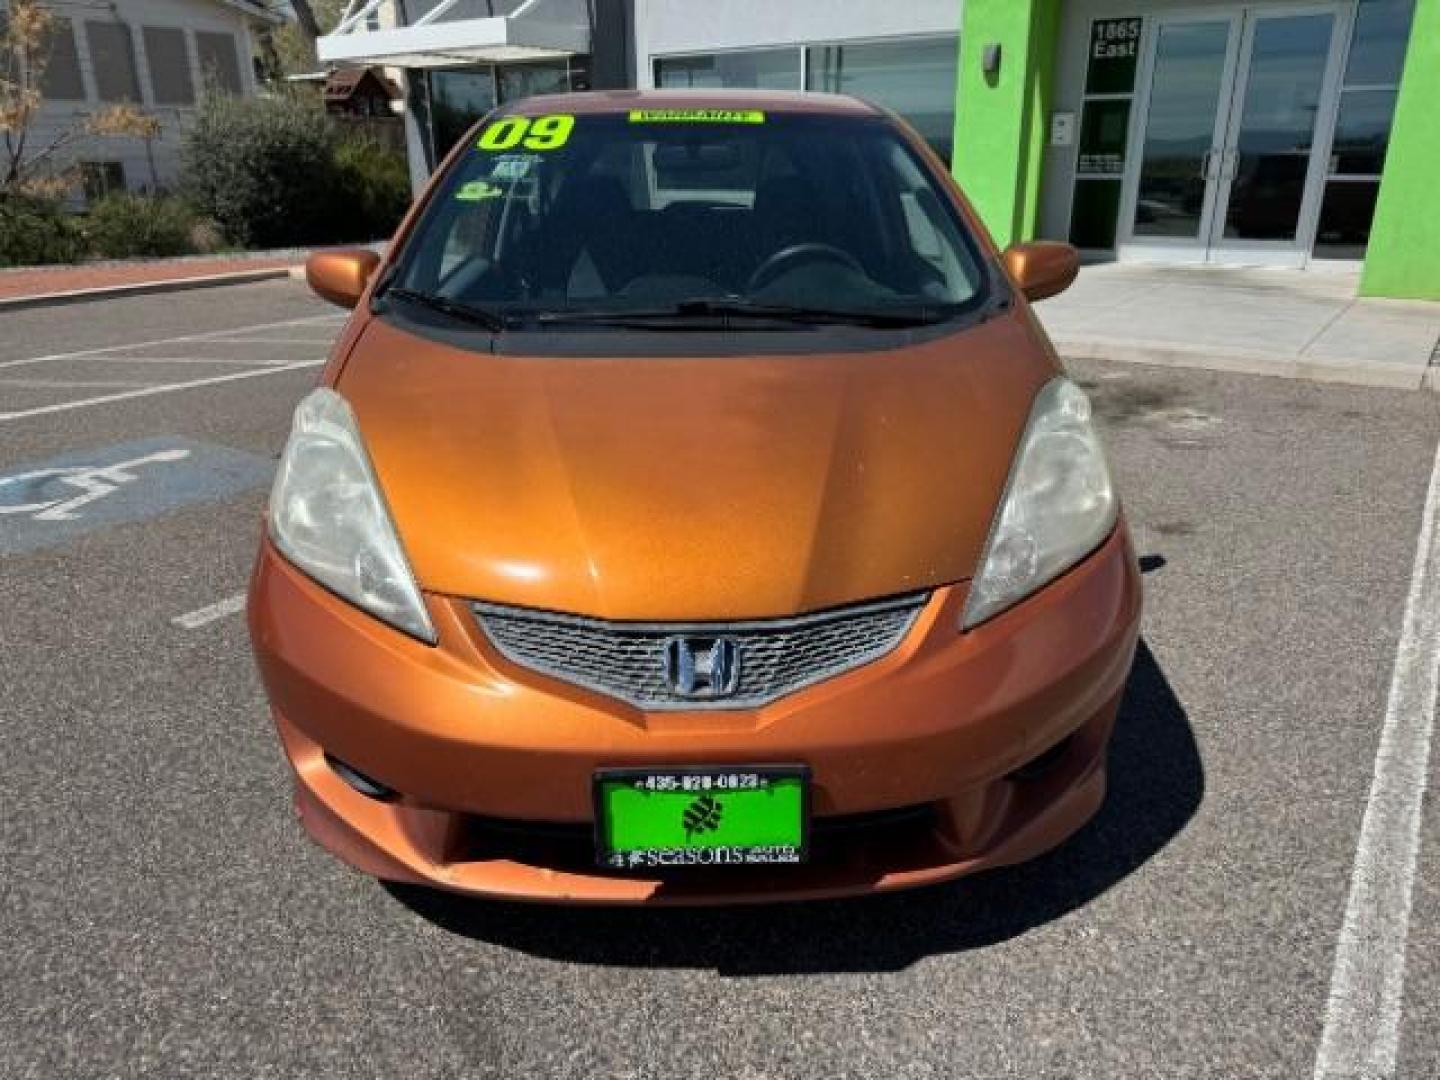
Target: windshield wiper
(726, 308)
(454, 308)
(900, 315)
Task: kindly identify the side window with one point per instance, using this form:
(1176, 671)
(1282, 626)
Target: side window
(489, 211)
(100, 178)
(917, 210)
(623, 163)
(169, 63)
(924, 237)
(219, 62)
(466, 237)
(61, 79)
(112, 57)
(928, 227)
(720, 171)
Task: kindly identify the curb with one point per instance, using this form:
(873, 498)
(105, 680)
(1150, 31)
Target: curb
(1248, 362)
(142, 288)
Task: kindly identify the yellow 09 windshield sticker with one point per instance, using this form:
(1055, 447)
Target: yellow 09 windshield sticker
(529, 132)
(696, 116)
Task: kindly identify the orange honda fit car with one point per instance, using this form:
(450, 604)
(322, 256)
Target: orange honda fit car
(693, 511)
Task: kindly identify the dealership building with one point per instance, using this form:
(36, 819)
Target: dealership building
(1275, 133)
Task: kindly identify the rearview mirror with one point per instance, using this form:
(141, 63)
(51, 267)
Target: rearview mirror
(341, 276)
(1042, 268)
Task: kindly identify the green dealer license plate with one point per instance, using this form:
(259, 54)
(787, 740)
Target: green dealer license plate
(653, 819)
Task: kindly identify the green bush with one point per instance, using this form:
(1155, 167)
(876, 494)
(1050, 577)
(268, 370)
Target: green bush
(124, 226)
(264, 169)
(35, 231)
(205, 237)
(375, 186)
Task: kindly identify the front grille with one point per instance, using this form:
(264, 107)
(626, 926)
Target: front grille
(628, 660)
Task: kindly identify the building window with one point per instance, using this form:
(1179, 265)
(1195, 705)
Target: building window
(525, 80)
(762, 69)
(101, 178)
(1377, 48)
(112, 58)
(1362, 128)
(914, 78)
(457, 100)
(61, 80)
(169, 63)
(1112, 60)
(219, 62)
(461, 96)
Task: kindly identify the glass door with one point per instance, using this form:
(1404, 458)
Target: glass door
(1270, 164)
(1169, 204)
(1237, 106)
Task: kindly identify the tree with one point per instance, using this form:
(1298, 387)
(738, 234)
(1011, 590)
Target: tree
(305, 19)
(27, 166)
(291, 46)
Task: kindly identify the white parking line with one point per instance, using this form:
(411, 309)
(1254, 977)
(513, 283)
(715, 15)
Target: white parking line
(71, 384)
(228, 361)
(151, 391)
(209, 335)
(322, 343)
(193, 620)
(1362, 1015)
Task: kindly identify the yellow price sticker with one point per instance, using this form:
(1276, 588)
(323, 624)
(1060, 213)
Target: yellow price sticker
(696, 116)
(530, 132)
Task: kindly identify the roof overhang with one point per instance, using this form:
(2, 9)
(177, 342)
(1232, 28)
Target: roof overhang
(256, 11)
(448, 44)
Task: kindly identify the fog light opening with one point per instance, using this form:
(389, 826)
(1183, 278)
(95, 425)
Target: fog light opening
(359, 781)
(1038, 766)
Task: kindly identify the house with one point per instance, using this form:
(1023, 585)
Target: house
(365, 104)
(155, 54)
(360, 91)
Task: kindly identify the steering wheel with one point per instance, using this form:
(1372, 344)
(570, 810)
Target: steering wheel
(787, 259)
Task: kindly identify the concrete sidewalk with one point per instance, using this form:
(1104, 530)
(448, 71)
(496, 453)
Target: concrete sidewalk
(44, 285)
(1297, 323)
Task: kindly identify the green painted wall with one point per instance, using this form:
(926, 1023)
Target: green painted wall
(1403, 258)
(1001, 120)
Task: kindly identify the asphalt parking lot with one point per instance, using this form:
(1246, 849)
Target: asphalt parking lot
(164, 916)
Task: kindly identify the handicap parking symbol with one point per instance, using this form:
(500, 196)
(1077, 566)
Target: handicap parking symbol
(50, 502)
(89, 482)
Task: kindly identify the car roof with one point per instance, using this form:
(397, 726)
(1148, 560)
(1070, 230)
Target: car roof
(620, 101)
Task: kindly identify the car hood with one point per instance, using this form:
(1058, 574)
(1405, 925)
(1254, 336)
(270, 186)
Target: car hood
(695, 488)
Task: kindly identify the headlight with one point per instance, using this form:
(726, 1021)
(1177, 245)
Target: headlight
(1058, 505)
(328, 517)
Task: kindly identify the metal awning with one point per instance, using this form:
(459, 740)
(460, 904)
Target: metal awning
(433, 40)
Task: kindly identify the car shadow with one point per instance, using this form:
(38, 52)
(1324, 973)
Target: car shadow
(1156, 785)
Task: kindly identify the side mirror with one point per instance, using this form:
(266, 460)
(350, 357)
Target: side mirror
(341, 276)
(1042, 268)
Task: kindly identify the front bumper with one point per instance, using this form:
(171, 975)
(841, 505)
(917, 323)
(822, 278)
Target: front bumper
(955, 753)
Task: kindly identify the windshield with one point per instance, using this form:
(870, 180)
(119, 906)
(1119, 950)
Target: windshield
(646, 213)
